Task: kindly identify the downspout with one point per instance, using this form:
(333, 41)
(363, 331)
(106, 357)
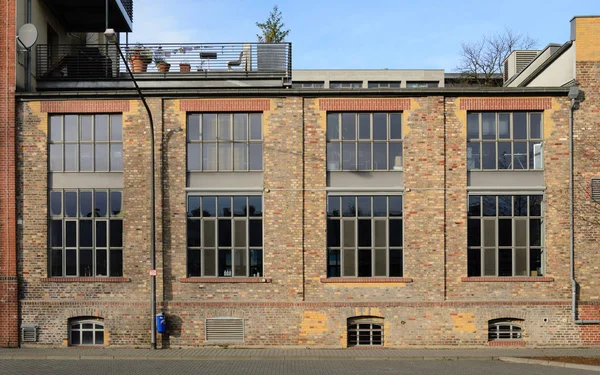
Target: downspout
(28, 61)
(573, 95)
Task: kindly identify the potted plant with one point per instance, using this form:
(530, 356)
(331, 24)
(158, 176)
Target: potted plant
(185, 67)
(139, 58)
(160, 61)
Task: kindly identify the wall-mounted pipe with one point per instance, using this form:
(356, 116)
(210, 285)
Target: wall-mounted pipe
(573, 95)
(28, 53)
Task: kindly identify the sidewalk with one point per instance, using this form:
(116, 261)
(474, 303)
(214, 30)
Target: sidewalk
(292, 353)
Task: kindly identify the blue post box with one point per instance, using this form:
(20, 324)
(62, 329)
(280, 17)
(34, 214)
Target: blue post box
(161, 323)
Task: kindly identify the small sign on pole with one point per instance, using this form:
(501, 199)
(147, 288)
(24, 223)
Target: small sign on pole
(152, 273)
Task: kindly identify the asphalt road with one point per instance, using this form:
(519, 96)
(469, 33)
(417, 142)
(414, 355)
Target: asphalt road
(260, 367)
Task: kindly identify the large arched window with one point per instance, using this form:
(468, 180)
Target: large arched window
(365, 331)
(505, 329)
(86, 331)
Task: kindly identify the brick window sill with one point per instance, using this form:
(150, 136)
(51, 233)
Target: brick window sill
(225, 280)
(365, 280)
(507, 343)
(86, 280)
(526, 279)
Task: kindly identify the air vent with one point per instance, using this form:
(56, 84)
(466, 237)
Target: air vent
(225, 330)
(29, 332)
(517, 61)
(595, 190)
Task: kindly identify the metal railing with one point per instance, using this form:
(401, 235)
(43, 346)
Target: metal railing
(128, 5)
(181, 61)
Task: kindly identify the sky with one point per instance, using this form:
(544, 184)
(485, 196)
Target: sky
(351, 34)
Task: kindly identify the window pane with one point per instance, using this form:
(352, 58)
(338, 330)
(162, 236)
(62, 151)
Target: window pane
(488, 151)
(101, 263)
(349, 233)
(240, 263)
(224, 228)
(333, 126)
(364, 233)
(489, 205)
(85, 204)
(99, 338)
(101, 235)
(86, 128)
(535, 262)
(504, 205)
(333, 156)
(333, 206)
(520, 205)
(255, 206)
(348, 126)
(56, 128)
(504, 155)
(116, 263)
(535, 205)
(116, 157)
(75, 337)
(71, 234)
(474, 205)
(193, 127)
(364, 126)
(101, 157)
(116, 233)
(473, 155)
(504, 126)
(256, 126)
(473, 126)
(225, 160)
(56, 233)
(209, 233)
(71, 158)
(473, 262)
(224, 127)
(209, 127)
(364, 206)
(395, 206)
(193, 232)
(535, 232)
(333, 233)
(395, 126)
(380, 233)
(520, 232)
(521, 262)
(519, 125)
(349, 156)
(239, 206)
(240, 157)
(224, 204)
(256, 156)
(115, 203)
(380, 156)
(101, 203)
(349, 206)
(505, 262)
(101, 128)
(395, 232)
(535, 125)
(209, 206)
(474, 232)
(255, 233)
(85, 233)
(116, 127)
(193, 263)
(71, 262)
(225, 263)
(395, 156)
(240, 126)
(210, 262)
(489, 233)
(209, 156)
(240, 234)
(71, 203)
(505, 232)
(488, 125)
(85, 263)
(520, 155)
(489, 265)
(535, 155)
(56, 161)
(364, 156)
(380, 132)
(365, 263)
(56, 265)
(333, 263)
(396, 266)
(349, 260)
(71, 127)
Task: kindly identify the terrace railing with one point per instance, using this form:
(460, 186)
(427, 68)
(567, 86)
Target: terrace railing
(206, 60)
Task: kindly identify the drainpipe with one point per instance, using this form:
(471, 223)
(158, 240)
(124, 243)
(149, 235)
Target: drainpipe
(28, 54)
(573, 95)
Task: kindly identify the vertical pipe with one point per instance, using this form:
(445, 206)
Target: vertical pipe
(28, 53)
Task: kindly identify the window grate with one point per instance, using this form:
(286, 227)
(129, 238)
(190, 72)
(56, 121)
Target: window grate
(225, 330)
(29, 332)
(504, 330)
(365, 331)
(595, 190)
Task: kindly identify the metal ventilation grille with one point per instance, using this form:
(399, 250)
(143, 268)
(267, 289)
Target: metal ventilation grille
(595, 189)
(523, 58)
(29, 333)
(225, 330)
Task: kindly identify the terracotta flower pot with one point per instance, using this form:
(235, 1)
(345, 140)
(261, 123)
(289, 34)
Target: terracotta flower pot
(163, 67)
(184, 68)
(138, 65)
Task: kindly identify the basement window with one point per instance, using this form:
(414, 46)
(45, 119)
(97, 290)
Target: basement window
(365, 331)
(505, 329)
(86, 332)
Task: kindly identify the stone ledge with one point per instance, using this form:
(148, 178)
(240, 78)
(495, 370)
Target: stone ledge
(532, 279)
(507, 343)
(86, 280)
(365, 280)
(216, 280)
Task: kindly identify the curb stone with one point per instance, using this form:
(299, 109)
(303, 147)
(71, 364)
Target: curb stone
(550, 363)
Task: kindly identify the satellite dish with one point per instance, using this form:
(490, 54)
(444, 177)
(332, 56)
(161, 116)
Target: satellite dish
(27, 35)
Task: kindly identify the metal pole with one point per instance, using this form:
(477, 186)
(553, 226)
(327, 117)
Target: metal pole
(152, 214)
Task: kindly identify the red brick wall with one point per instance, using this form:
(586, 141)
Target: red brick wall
(8, 269)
